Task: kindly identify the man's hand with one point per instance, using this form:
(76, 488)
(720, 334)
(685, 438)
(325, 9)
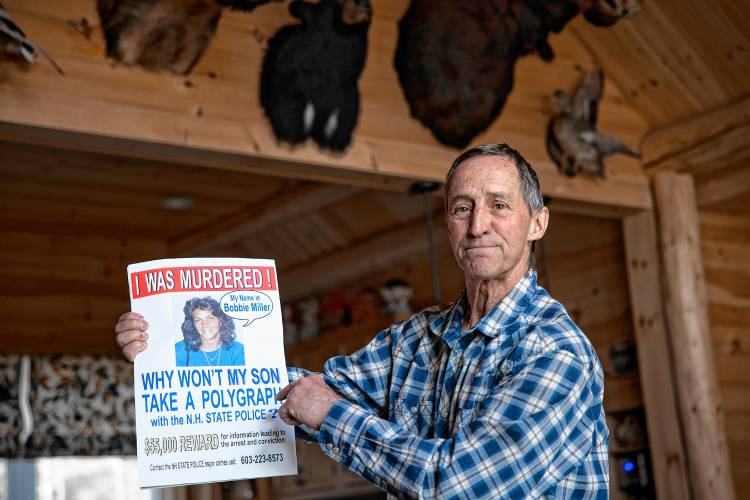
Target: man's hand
(308, 401)
(131, 334)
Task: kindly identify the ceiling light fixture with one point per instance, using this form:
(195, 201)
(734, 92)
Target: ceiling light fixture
(177, 202)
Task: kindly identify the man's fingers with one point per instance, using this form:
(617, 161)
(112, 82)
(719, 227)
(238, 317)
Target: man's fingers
(131, 350)
(131, 324)
(130, 336)
(281, 396)
(286, 416)
(129, 315)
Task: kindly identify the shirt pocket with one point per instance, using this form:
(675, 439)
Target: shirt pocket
(415, 414)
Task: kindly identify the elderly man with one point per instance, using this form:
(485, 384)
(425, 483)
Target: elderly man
(498, 395)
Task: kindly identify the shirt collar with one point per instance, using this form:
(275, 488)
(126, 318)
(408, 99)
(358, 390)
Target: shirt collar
(508, 311)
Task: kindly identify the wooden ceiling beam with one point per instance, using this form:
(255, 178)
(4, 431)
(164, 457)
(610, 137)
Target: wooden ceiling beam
(714, 189)
(256, 217)
(369, 256)
(697, 146)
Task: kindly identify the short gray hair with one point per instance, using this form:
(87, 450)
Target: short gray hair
(530, 189)
(532, 193)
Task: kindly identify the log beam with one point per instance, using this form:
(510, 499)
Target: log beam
(256, 217)
(399, 246)
(654, 358)
(687, 317)
(711, 141)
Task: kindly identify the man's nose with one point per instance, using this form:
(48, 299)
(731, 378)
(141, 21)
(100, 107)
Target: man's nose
(479, 221)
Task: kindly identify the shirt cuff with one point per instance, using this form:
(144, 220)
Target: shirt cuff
(294, 373)
(341, 429)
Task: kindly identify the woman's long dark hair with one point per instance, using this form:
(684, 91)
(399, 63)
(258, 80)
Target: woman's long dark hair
(191, 336)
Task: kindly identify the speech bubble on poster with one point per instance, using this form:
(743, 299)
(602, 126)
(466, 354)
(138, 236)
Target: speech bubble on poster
(246, 305)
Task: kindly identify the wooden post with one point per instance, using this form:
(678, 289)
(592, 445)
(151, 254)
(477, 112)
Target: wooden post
(687, 316)
(668, 459)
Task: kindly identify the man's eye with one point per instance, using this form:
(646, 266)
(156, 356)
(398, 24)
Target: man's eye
(461, 211)
(499, 206)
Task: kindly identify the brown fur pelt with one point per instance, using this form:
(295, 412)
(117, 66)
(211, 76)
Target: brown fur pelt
(455, 60)
(162, 34)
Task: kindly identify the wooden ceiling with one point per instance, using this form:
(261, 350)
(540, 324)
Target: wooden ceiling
(676, 59)
(87, 159)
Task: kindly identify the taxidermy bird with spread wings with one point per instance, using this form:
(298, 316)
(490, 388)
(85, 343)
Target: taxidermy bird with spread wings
(573, 142)
(308, 84)
(13, 42)
(163, 34)
(455, 60)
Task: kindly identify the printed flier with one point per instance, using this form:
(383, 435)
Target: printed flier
(205, 387)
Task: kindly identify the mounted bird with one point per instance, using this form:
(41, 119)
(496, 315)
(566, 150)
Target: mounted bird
(456, 60)
(308, 83)
(163, 34)
(573, 142)
(13, 42)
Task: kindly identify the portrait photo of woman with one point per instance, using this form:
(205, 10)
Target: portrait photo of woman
(208, 336)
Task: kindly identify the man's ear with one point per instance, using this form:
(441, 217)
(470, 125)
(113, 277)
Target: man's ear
(538, 225)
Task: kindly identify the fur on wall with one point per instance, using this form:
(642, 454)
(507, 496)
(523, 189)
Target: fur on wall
(81, 405)
(455, 60)
(163, 34)
(309, 79)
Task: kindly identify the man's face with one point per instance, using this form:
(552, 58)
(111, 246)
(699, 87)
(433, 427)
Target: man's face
(489, 224)
(206, 324)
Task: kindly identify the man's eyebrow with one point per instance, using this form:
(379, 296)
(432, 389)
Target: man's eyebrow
(498, 194)
(491, 194)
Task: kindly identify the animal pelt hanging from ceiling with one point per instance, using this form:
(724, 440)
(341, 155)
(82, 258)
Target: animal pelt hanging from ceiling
(455, 60)
(163, 34)
(308, 85)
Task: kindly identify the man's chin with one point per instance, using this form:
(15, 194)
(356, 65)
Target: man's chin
(482, 272)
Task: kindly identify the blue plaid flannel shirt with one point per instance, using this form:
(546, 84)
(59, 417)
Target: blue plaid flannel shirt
(510, 408)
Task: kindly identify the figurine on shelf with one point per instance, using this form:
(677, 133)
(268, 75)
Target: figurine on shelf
(629, 429)
(365, 306)
(396, 294)
(308, 312)
(623, 357)
(334, 311)
(290, 328)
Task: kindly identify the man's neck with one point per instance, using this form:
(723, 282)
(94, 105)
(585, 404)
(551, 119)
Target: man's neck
(484, 295)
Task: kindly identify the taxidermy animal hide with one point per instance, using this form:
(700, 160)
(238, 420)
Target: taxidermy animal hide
(455, 60)
(308, 84)
(573, 142)
(163, 34)
(13, 42)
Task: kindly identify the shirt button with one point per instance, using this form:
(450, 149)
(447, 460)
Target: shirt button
(329, 446)
(336, 449)
(444, 413)
(414, 409)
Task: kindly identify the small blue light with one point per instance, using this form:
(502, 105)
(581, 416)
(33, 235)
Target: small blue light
(628, 466)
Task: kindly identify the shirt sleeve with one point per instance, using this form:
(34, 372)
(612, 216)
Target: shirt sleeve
(533, 430)
(363, 378)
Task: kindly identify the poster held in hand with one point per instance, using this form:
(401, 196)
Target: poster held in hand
(205, 386)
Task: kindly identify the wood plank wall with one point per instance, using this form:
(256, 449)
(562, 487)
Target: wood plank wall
(725, 243)
(71, 303)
